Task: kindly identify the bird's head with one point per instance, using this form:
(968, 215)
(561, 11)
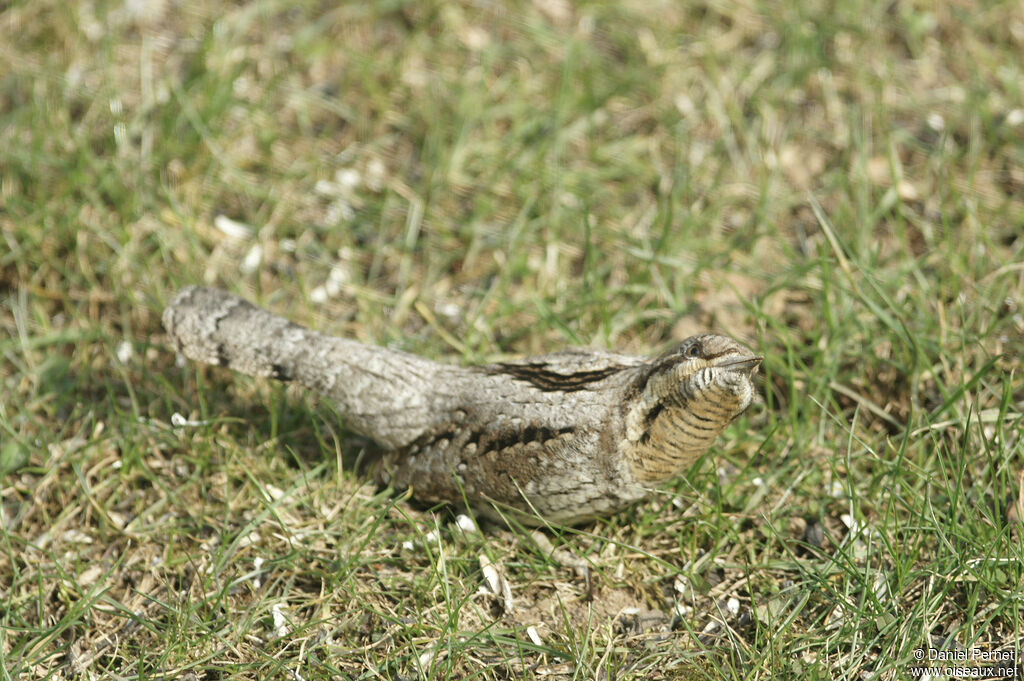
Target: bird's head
(683, 400)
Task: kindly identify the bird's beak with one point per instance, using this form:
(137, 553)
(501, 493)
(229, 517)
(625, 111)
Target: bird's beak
(748, 366)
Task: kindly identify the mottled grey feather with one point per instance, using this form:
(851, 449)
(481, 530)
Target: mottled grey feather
(566, 436)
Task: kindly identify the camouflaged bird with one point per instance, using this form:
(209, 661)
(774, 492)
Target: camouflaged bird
(564, 437)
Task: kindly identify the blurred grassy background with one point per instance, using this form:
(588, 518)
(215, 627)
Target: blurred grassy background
(839, 184)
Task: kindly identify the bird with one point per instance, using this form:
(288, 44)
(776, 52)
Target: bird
(563, 438)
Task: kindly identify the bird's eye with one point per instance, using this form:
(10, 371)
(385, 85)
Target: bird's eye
(693, 350)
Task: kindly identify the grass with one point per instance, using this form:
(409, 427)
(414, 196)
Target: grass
(841, 185)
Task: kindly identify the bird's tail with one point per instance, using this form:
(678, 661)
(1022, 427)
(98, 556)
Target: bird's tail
(386, 395)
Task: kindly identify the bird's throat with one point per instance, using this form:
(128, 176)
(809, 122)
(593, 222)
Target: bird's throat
(679, 431)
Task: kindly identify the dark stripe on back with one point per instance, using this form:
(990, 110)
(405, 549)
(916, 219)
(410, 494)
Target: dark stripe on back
(547, 380)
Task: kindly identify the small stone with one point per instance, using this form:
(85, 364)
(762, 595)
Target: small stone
(815, 534)
(466, 524)
(531, 631)
(251, 262)
(281, 627)
(233, 228)
(124, 352)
